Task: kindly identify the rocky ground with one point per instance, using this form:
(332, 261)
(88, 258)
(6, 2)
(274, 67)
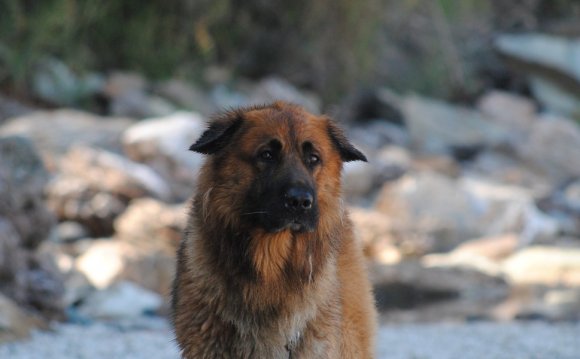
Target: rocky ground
(466, 212)
(410, 341)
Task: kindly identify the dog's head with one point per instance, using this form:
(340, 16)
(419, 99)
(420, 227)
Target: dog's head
(273, 167)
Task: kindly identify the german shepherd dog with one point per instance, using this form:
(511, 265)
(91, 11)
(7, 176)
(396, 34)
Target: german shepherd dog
(268, 266)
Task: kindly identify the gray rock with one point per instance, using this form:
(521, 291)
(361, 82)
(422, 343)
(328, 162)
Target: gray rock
(273, 88)
(358, 179)
(555, 98)
(379, 133)
(54, 132)
(411, 284)
(70, 231)
(128, 96)
(549, 51)
(163, 143)
(25, 222)
(94, 186)
(56, 83)
(553, 146)
(22, 181)
(186, 96)
(443, 212)
(553, 63)
(515, 112)
(11, 108)
(15, 324)
(121, 301)
(154, 230)
(438, 127)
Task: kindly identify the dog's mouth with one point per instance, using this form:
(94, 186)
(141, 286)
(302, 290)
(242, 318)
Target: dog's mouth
(293, 225)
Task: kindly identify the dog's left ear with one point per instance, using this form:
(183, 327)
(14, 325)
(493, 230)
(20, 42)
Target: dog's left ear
(218, 134)
(347, 151)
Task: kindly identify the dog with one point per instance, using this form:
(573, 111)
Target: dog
(268, 266)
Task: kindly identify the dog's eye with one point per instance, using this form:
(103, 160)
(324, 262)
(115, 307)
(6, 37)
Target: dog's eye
(313, 159)
(266, 155)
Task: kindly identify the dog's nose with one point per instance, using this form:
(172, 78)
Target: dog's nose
(297, 198)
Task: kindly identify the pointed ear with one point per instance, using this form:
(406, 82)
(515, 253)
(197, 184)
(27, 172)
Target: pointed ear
(347, 151)
(218, 134)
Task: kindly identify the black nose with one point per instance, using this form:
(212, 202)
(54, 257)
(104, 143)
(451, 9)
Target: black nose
(297, 198)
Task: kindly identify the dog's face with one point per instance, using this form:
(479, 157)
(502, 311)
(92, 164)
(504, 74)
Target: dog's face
(282, 162)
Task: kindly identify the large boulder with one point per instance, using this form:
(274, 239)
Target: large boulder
(143, 250)
(438, 127)
(435, 292)
(553, 146)
(25, 222)
(517, 113)
(444, 212)
(94, 186)
(162, 143)
(54, 132)
(553, 64)
(16, 324)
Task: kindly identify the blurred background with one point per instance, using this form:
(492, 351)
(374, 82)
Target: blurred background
(469, 112)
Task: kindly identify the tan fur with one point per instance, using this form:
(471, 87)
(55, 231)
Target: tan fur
(288, 295)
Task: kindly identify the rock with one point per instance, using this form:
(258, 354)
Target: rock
(147, 220)
(186, 96)
(23, 177)
(541, 265)
(226, 97)
(374, 230)
(123, 300)
(553, 146)
(563, 204)
(103, 262)
(143, 250)
(109, 172)
(70, 231)
(94, 187)
(437, 127)
(273, 88)
(552, 63)
(11, 108)
(371, 104)
(55, 82)
(391, 162)
(494, 248)
(358, 179)
(154, 230)
(410, 285)
(162, 143)
(515, 112)
(54, 132)
(25, 222)
(554, 98)
(509, 169)
(442, 212)
(379, 133)
(547, 51)
(429, 208)
(15, 324)
(441, 164)
(128, 97)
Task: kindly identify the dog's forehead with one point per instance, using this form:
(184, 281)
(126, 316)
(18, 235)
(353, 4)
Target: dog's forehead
(292, 125)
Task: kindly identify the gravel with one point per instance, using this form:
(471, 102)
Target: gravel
(525, 340)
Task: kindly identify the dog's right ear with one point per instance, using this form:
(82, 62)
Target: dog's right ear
(218, 134)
